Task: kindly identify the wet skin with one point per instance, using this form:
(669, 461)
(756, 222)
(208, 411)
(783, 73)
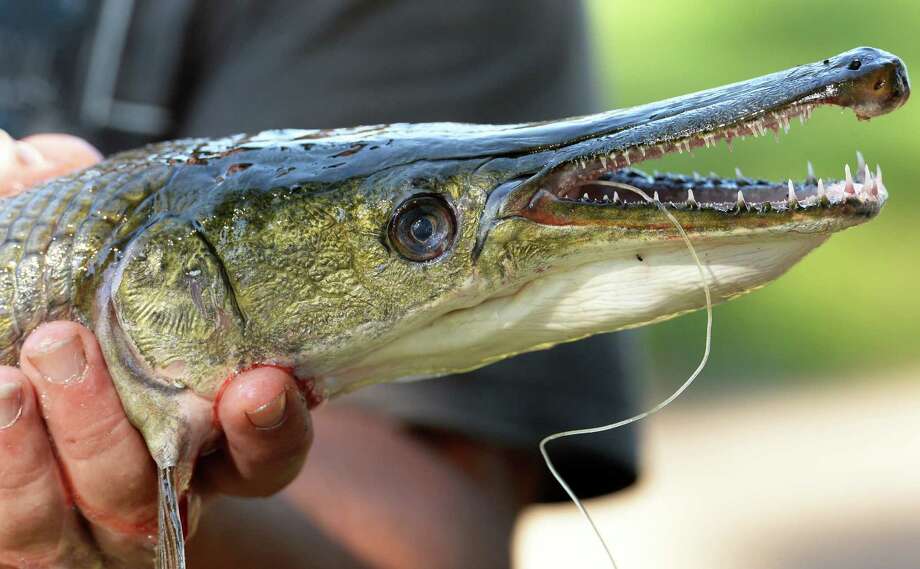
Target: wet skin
(115, 514)
(377, 253)
(65, 439)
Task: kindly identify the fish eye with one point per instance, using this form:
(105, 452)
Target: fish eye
(423, 227)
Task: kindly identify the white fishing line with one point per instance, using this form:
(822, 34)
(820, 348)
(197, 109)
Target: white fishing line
(656, 408)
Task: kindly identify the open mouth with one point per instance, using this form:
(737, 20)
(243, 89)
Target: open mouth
(598, 171)
(586, 181)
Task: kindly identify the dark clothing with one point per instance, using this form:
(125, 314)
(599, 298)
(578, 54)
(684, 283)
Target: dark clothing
(171, 68)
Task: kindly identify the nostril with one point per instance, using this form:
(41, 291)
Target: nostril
(854, 65)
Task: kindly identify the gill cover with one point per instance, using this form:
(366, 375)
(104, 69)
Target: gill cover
(172, 299)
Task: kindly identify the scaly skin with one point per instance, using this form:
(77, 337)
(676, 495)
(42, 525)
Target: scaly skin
(52, 237)
(192, 260)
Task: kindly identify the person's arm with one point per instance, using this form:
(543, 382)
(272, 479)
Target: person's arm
(77, 485)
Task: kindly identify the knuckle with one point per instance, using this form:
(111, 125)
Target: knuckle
(31, 518)
(266, 449)
(97, 438)
(21, 478)
(23, 467)
(267, 474)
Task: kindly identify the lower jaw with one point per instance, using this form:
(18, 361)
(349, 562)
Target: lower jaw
(642, 285)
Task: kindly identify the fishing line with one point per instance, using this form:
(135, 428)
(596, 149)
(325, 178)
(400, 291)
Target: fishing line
(577, 432)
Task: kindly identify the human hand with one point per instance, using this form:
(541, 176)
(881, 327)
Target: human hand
(77, 484)
(26, 162)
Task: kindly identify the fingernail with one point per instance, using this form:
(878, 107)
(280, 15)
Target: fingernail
(10, 404)
(60, 361)
(269, 415)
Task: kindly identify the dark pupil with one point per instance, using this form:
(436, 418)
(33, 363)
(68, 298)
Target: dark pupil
(422, 229)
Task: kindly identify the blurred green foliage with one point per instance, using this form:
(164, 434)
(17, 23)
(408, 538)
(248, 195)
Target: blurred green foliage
(853, 306)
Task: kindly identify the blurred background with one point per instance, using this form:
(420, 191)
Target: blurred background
(799, 445)
(851, 309)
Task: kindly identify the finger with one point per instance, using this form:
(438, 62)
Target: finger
(25, 163)
(8, 162)
(102, 456)
(267, 427)
(65, 152)
(35, 514)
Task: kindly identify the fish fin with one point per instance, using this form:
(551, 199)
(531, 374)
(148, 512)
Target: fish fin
(171, 543)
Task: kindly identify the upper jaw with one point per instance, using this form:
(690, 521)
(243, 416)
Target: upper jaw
(862, 195)
(871, 82)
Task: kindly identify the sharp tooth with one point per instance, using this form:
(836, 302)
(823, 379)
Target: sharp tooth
(604, 198)
(738, 173)
(848, 187)
(691, 200)
(821, 191)
(741, 202)
(642, 151)
(585, 196)
(860, 162)
(655, 197)
(626, 156)
(811, 173)
(879, 186)
(616, 197)
(791, 196)
(869, 188)
(604, 162)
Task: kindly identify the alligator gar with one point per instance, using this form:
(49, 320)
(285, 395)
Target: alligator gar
(377, 253)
